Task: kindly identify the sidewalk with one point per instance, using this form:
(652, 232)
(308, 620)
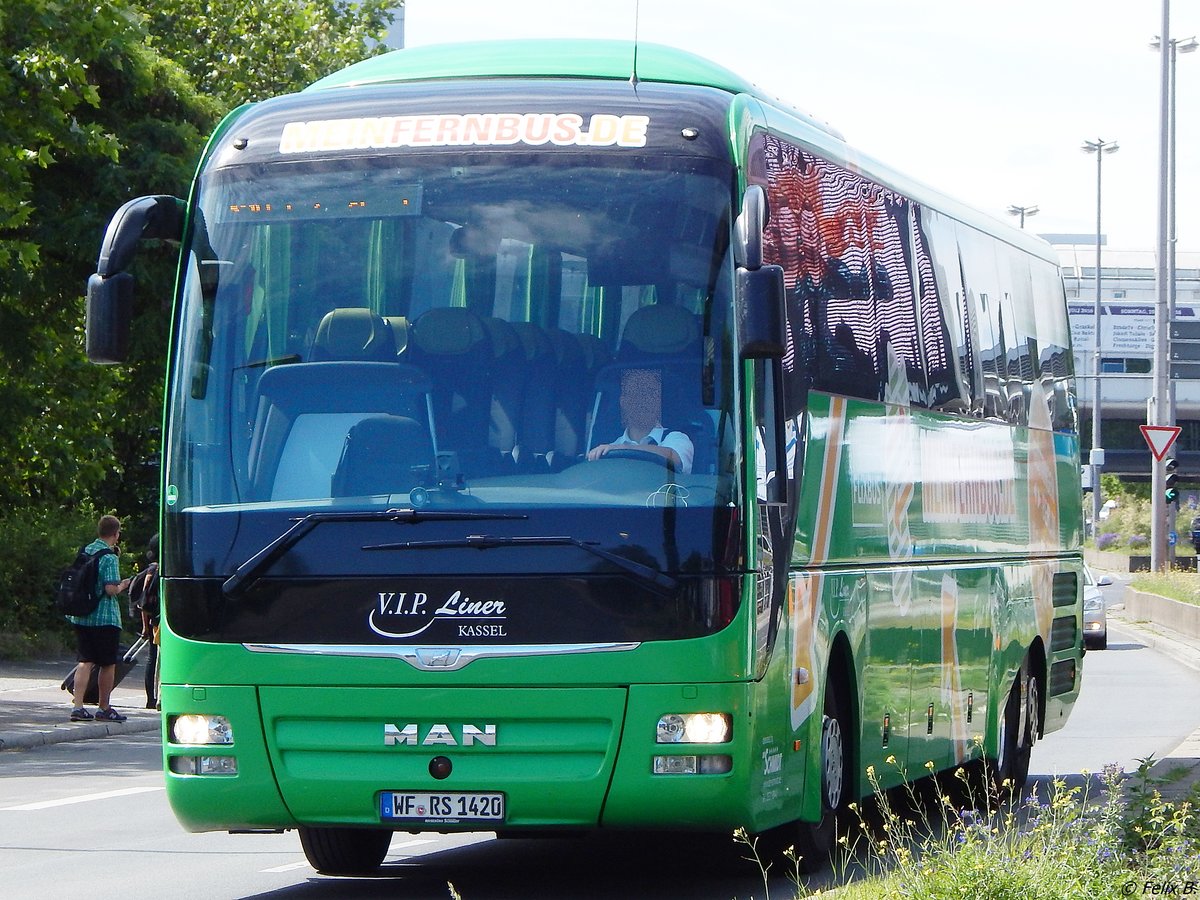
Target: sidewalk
(1182, 765)
(34, 711)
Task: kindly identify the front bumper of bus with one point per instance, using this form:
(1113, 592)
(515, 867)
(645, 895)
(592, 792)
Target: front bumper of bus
(643, 756)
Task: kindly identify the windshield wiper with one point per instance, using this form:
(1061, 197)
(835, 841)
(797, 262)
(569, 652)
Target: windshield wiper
(248, 572)
(488, 542)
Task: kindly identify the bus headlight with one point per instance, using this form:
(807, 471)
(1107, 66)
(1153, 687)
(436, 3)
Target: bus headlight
(201, 730)
(695, 728)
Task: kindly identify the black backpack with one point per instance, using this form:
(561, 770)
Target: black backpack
(143, 592)
(76, 594)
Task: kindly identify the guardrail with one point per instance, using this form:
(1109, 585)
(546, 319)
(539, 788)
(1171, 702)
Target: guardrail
(1173, 615)
(1124, 562)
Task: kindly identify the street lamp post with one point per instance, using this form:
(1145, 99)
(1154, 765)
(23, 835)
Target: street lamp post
(1023, 211)
(1159, 407)
(1099, 147)
(1177, 46)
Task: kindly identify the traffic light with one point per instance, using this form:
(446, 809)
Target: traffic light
(1171, 483)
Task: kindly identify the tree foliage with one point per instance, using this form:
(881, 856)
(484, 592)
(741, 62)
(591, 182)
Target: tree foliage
(240, 51)
(101, 102)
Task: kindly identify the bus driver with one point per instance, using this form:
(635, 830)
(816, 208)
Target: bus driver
(641, 414)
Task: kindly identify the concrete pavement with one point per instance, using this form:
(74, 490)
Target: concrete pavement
(1179, 770)
(34, 711)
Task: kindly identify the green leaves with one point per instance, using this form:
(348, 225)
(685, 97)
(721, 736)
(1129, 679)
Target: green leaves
(245, 50)
(99, 103)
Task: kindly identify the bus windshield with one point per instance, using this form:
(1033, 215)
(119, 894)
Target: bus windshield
(416, 332)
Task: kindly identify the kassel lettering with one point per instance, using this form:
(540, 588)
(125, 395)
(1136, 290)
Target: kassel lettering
(406, 614)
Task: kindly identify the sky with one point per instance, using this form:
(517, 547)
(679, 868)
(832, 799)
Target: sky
(988, 102)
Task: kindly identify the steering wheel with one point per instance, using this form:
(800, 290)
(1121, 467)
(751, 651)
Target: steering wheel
(640, 455)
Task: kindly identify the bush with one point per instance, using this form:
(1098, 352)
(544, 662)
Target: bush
(1138, 541)
(37, 544)
(1107, 540)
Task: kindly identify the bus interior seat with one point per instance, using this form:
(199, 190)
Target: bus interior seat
(353, 333)
(399, 327)
(535, 433)
(571, 391)
(451, 346)
(659, 332)
(383, 454)
(305, 411)
(508, 392)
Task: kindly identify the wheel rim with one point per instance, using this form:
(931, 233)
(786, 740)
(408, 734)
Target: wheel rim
(1002, 746)
(833, 758)
(1032, 714)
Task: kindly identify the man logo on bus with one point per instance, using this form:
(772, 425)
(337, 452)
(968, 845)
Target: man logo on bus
(438, 735)
(406, 614)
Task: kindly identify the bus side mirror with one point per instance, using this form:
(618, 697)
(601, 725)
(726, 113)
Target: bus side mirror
(760, 288)
(748, 229)
(109, 314)
(760, 312)
(110, 289)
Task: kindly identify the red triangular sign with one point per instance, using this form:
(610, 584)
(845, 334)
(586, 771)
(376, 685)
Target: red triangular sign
(1160, 438)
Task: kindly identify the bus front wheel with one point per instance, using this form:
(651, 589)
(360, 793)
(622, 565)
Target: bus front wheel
(345, 851)
(816, 839)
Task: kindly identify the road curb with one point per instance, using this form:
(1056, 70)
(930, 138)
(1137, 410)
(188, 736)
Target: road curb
(76, 732)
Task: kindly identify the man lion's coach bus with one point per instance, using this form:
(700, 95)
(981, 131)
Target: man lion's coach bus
(548, 448)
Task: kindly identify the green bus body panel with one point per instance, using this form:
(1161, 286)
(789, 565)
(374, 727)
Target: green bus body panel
(537, 58)
(936, 642)
(247, 800)
(566, 737)
(719, 657)
(912, 484)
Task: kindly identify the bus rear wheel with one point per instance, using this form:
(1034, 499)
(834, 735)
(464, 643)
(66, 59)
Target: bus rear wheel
(345, 851)
(1016, 742)
(815, 840)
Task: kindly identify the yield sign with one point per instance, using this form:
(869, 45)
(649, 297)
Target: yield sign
(1160, 438)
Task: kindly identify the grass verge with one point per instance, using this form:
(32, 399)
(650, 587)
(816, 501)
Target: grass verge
(1183, 586)
(1116, 836)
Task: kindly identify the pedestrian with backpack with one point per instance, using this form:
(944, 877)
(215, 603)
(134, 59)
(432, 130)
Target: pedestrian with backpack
(98, 633)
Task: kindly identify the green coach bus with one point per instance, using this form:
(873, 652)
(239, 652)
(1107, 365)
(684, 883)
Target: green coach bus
(565, 435)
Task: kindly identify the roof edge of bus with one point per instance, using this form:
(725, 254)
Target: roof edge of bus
(538, 58)
(553, 58)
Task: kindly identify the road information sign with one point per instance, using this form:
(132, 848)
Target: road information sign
(1160, 438)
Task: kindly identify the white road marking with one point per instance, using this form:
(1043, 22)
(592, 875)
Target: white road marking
(288, 867)
(301, 865)
(82, 798)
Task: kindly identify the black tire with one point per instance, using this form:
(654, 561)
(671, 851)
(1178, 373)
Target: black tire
(345, 851)
(1011, 770)
(815, 840)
